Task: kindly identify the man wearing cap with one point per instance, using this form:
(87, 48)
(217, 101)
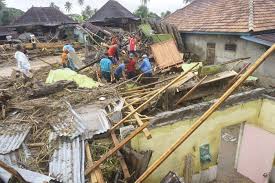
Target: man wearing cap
(146, 67)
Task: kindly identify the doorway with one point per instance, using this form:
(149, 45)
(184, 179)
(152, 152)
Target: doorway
(227, 154)
(210, 53)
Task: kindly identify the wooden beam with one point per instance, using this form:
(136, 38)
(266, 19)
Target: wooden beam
(205, 116)
(91, 167)
(154, 96)
(122, 162)
(95, 176)
(139, 121)
(12, 171)
(188, 168)
(182, 99)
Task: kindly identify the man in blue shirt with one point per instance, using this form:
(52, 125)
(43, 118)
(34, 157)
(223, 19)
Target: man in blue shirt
(120, 72)
(106, 68)
(146, 67)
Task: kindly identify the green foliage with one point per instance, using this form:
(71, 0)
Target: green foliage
(165, 14)
(76, 17)
(144, 13)
(144, 2)
(2, 4)
(68, 6)
(8, 15)
(88, 12)
(53, 5)
(81, 2)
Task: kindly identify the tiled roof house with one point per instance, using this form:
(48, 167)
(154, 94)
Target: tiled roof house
(222, 30)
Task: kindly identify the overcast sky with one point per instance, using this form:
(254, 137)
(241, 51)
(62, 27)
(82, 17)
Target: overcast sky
(156, 6)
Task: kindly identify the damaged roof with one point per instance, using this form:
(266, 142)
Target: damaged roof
(233, 16)
(264, 39)
(5, 31)
(67, 162)
(112, 10)
(12, 136)
(43, 16)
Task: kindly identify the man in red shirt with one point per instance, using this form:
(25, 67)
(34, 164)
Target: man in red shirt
(131, 67)
(132, 44)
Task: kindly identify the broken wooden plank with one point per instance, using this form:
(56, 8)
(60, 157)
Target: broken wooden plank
(166, 54)
(191, 91)
(139, 121)
(95, 176)
(122, 162)
(153, 97)
(188, 168)
(91, 167)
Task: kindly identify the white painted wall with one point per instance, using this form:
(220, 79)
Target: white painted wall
(197, 44)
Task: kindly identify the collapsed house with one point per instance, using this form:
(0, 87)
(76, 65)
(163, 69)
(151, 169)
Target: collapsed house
(218, 31)
(44, 23)
(113, 14)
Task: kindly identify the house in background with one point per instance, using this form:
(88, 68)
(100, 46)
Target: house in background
(6, 31)
(113, 14)
(44, 22)
(218, 31)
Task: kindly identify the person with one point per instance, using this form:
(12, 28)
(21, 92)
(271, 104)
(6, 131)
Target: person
(23, 63)
(131, 66)
(106, 68)
(132, 44)
(113, 53)
(146, 67)
(68, 46)
(64, 58)
(120, 72)
(33, 41)
(9, 39)
(71, 55)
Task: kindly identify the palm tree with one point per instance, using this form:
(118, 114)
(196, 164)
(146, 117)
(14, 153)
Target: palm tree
(81, 2)
(2, 4)
(144, 2)
(68, 6)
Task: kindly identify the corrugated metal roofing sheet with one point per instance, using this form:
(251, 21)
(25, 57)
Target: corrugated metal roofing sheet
(12, 136)
(33, 177)
(85, 121)
(67, 162)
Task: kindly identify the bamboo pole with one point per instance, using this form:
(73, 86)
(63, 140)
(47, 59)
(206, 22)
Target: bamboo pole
(12, 171)
(237, 76)
(122, 162)
(205, 116)
(182, 99)
(91, 167)
(154, 96)
(95, 176)
(140, 122)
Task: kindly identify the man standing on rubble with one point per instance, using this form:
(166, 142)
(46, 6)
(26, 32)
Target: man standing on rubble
(23, 63)
(132, 44)
(131, 66)
(106, 68)
(146, 67)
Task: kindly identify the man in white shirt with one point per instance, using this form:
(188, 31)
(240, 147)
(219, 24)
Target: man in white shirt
(23, 63)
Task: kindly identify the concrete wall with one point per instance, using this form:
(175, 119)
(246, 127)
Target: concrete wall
(197, 44)
(259, 113)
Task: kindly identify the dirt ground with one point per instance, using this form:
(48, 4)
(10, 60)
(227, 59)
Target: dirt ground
(226, 171)
(6, 70)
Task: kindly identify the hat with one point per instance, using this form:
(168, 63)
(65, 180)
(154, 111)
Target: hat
(131, 55)
(144, 56)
